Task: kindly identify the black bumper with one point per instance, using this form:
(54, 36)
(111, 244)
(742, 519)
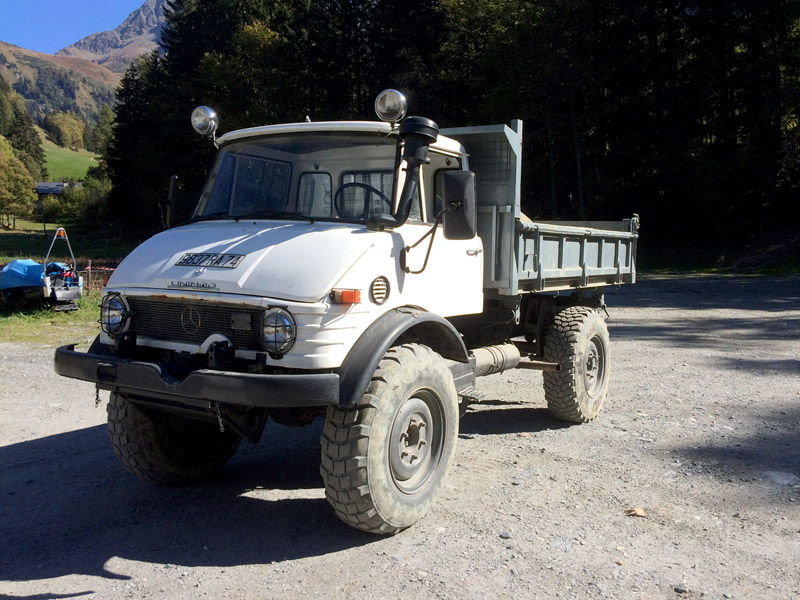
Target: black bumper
(200, 387)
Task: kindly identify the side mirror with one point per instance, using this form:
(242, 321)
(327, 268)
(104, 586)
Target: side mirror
(460, 219)
(168, 207)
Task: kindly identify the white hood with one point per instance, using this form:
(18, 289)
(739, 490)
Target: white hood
(288, 260)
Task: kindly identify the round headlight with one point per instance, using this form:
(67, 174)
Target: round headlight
(278, 331)
(113, 313)
(205, 120)
(391, 105)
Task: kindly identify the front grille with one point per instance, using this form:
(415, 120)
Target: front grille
(193, 322)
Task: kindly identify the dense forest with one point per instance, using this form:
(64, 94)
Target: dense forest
(684, 112)
(57, 90)
(21, 156)
(47, 87)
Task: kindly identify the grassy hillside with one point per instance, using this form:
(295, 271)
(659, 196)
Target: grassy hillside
(57, 83)
(63, 163)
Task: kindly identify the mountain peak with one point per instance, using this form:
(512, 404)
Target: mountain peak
(117, 49)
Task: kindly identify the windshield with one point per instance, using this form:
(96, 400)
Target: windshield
(303, 175)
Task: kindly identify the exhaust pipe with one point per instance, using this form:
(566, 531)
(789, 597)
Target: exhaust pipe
(495, 359)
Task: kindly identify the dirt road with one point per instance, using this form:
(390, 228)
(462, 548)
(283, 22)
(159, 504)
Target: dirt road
(701, 432)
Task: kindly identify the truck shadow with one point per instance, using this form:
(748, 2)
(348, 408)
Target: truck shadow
(69, 507)
(482, 420)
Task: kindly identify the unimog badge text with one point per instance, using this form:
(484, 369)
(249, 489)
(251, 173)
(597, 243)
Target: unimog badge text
(203, 259)
(204, 285)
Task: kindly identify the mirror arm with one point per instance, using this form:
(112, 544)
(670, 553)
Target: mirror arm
(453, 206)
(432, 233)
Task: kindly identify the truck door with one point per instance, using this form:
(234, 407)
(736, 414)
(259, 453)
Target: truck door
(452, 280)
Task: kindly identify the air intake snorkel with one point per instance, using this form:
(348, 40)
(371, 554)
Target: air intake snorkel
(417, 133)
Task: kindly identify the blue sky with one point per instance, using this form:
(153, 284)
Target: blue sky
(49, 25)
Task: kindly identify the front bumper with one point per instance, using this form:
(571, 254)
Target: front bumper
(199, 388)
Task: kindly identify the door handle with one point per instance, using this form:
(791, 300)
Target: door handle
(474, 251)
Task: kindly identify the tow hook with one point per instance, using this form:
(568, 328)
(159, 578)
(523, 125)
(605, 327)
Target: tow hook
(220, 356)
(216, 406)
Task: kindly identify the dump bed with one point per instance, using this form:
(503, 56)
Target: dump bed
(551, 256)
(522, 255)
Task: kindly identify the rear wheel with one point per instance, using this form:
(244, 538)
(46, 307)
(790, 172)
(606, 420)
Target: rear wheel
(166, 449)
(577, 339)
(385, 461)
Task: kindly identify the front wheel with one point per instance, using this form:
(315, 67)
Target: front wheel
(385, 461)
(166, 449)
(577, 339)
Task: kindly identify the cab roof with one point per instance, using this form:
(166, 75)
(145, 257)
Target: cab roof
(442, 143)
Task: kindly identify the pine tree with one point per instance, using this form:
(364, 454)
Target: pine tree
(17, 187)
(27, 144)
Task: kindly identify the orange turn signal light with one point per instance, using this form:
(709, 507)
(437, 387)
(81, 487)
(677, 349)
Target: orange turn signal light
(346, 296)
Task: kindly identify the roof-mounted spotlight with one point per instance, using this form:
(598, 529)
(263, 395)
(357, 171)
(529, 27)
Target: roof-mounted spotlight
(205, 120)
(391, 105)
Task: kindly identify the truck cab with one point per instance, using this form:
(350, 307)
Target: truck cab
(283, 225)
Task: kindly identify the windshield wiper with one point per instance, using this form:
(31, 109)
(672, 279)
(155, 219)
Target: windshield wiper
(209, 217)
(271, 214)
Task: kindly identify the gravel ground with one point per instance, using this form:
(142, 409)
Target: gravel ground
(700, 433)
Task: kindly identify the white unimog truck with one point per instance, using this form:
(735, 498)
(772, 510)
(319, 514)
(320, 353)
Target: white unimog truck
(367, 272)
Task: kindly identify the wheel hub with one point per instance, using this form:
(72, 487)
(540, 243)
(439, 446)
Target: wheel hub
(591, 364)
(413, 440)
(413, 444)
(594, 368)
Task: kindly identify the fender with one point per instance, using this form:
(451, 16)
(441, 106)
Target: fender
(410, 324)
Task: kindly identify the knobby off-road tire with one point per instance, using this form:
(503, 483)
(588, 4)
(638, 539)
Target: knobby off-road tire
(166, 449)
(577, 339)
(385, 461)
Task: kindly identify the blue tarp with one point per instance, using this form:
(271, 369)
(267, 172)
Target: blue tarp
(21, 273)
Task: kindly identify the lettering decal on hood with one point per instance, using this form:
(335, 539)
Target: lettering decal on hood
(204, 259)
(203, 285)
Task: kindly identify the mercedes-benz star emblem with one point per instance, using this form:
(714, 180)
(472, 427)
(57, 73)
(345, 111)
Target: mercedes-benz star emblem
(190, 320)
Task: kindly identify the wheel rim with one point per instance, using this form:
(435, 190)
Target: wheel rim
(595, 367)
(415, 445)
